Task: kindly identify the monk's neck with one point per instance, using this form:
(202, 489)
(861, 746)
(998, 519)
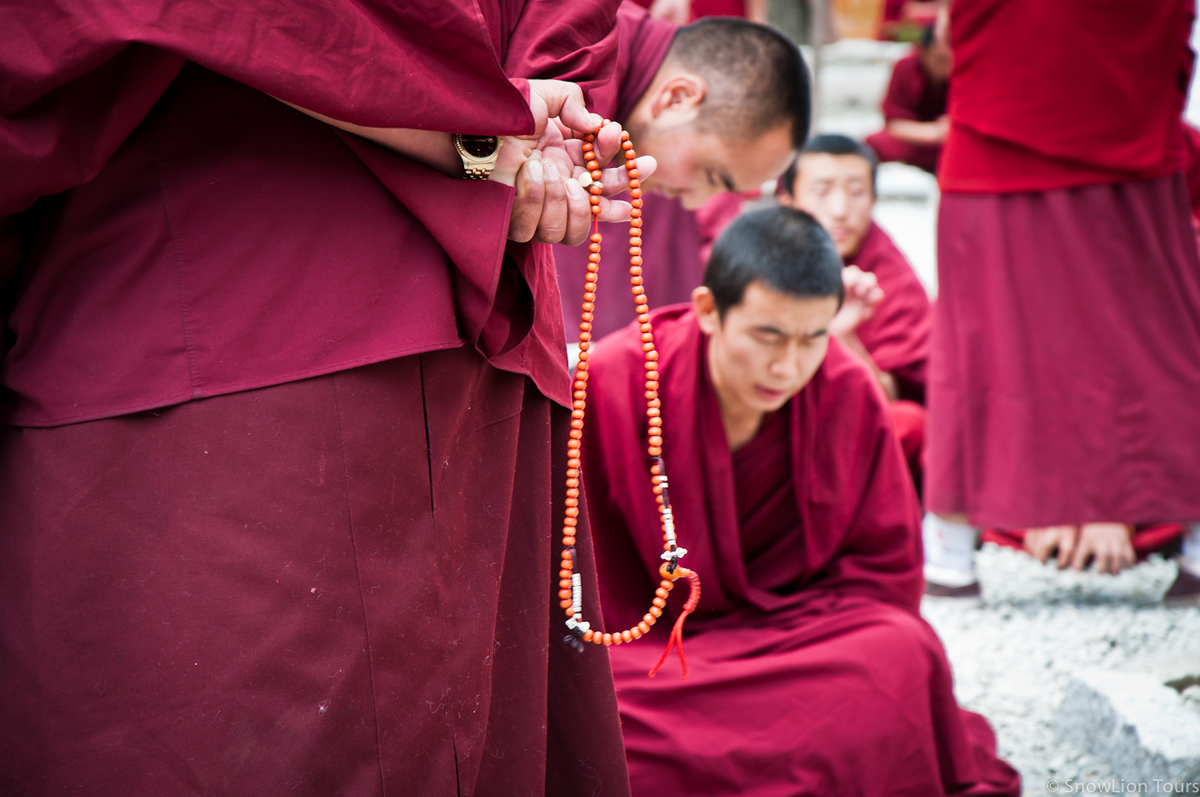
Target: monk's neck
(740, 427)
(740, 421)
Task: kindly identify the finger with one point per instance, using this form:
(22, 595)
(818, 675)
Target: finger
(617, 179)
(615, 210)
(553, 222)
(1083, 552)
(527, 204)
(579, 214)
(608, 144)
(565, 100)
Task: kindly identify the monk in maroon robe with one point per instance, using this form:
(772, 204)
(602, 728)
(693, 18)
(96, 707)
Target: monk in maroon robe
(1063, 375)
(279, 403)
(834, 180)
(914, 107)
(722, 105)
(810, 669)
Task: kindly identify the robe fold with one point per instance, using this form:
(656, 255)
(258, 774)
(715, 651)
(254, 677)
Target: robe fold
(912, 95)
(673, 238)
(811, 671)
(1063, 373)
(278, 405)
(135, 133)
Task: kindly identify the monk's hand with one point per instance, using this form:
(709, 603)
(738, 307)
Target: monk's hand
(551, 206)
(863, 295)
(1108, 545)
(1046, 542)
(677, 11)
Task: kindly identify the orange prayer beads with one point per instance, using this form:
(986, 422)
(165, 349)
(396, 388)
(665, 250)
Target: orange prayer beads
(570, 583)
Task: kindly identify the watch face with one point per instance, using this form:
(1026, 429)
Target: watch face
(479, 146)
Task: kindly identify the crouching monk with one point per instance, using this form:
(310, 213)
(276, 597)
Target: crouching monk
(810, 670)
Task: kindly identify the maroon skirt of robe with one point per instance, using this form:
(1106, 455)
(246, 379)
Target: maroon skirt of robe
(337, 586)
(1065, 370)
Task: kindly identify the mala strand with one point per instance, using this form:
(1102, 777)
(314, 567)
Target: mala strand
(570, 584)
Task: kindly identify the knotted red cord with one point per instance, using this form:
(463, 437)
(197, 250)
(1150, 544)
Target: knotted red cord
(676, 638)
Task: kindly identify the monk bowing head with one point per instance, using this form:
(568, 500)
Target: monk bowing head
(834, 180)
(727, 110)
(772, 286)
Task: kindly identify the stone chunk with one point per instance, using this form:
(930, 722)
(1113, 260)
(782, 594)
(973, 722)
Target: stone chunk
(1131, 720)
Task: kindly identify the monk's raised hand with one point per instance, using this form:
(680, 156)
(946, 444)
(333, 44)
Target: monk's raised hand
(1107, 545)
(862, 296)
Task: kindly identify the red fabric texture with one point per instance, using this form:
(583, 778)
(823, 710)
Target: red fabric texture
(1064, 376)
(195, 237)
(718, 8)
(340, 585)
(1146, 539)
(672, 238)
(810, 666)
(908, 422)
(1072, 93)
(910, 95)
(892, 150)
(712, 218)
(897, 336)
(1191, 167)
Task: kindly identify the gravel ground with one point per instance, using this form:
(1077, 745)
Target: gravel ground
(1014, 651)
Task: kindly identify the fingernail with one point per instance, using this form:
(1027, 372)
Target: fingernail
(535, 170)
(575, 189)
(552, 172)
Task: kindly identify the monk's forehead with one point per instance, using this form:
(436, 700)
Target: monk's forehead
(827, 164)
(763, 306)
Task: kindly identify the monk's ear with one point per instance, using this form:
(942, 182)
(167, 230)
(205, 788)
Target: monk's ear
(705, 305)
(679, 96)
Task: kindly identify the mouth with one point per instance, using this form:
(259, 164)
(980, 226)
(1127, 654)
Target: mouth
(767, 394)
(839, 233)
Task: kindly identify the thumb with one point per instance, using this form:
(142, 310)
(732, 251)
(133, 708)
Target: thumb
(563, 100)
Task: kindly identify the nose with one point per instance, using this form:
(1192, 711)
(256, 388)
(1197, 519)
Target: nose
(786, 367)
(838, 203)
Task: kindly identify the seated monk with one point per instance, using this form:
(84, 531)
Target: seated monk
(914, 108)
(810, 668)
(834, 180)
(722, 105)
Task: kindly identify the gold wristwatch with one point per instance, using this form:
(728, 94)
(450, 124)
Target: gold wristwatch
(478, 154)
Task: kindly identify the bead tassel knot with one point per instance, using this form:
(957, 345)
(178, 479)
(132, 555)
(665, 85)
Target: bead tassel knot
(570, 584)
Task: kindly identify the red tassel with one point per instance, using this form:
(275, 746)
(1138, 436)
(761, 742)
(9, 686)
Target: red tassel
(676, 638)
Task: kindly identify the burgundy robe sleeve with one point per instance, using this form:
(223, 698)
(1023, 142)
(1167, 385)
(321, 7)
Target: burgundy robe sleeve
(897, 337)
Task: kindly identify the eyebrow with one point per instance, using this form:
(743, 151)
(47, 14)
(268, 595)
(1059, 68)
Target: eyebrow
(770, 330)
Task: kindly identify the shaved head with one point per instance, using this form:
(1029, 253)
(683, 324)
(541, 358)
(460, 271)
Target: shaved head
(756, 79)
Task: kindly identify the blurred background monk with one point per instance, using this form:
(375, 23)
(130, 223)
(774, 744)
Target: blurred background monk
(810, 667)
(914, 107)
(834, 180)
(1064, 372)
(279, 402)
(722, 105)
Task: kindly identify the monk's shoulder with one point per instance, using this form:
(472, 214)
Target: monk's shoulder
(621, 352)
(880, 256)
(846, 385)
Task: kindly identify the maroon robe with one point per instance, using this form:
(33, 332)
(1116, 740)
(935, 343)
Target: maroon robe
(1063, 373)
(897, 336)
(913, 95)
(810, 667)
(1191, 168)
(672, 238)
(318, 565)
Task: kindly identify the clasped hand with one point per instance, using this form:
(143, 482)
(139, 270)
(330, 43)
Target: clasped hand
(550, 205)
